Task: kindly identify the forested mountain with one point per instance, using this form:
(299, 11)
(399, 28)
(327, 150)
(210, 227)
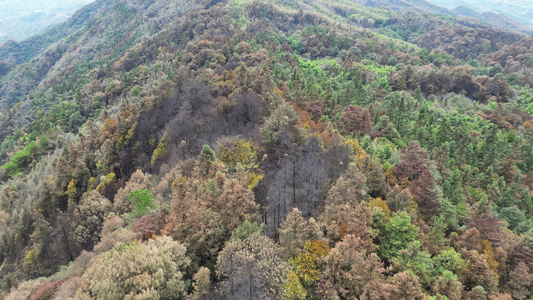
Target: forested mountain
(251, 149)
(519, 10)
(20, 19)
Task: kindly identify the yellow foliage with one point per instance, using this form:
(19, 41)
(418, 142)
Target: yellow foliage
(253, 180)
(306, 264)
(488, 251)
(109, 128)
(230, 76)
(92, 181)
(357, 151)
(30, 258)
(126, 114)
(109, 178)
(378, 202)
(243, 152)
(293, 288)
(390, 176)
(278, 92)
(160, 152)
(71, 191)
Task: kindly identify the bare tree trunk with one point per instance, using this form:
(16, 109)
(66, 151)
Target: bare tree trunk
(231, 289)
(250, 280)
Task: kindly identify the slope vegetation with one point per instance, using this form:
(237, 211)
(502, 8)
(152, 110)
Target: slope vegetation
(267, 150)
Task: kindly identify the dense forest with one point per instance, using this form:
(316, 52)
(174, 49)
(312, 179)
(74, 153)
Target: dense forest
(252, 149)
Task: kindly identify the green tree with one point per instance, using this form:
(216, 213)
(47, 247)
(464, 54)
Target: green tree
(512, 215)
(449, 259)
(142, 202)
(418, 261)
(398, 234)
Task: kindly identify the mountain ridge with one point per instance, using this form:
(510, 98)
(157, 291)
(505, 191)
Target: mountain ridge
(266, 149)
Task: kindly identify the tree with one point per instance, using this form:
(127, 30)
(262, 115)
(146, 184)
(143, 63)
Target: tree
(232, 151)
(45, 291)
(207, 165)
(40, 240)
(307, 264)
(376, 181)
(425, 194)
(137, 182)
(355, 121)
(450, 260)
(88, 219)
(468, 240)
(24, 289)
(405, 286)
(151, 270)
(520, 282)
(399, 200)
(197, 227)
(71, 191)
(201, 285)
(416, 261)
(448, 285)
(207, 208)
(477, 272)
(512, 215)
(142, 202)
(349, 271)
(235, 202)
(348, 219)
(398, 234)
(415, 161)
(293, 288)
(523, 252)
(149, 224)
(281, 119)
(295, 231)
(252, 269)
(350, 188)
(489, 229)
(379, 203)
(244, 231)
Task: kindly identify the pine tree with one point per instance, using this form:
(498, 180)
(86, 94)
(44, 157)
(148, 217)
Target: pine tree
(295, 231)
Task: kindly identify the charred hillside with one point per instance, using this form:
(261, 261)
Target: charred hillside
(266, 150)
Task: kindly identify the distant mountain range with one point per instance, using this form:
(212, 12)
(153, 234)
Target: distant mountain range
(513, 14)
(21, 19)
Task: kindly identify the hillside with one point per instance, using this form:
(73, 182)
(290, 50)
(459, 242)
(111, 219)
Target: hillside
(21, 19)
(518, 10)
(250, 149)
(504, 21)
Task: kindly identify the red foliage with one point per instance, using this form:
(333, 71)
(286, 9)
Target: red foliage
(148, 223)
(489, 229)
(355, 121)
(469, 240)
(425, 194)
(415, 161)
(147, 235)
(45, 291)
(523, 252)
